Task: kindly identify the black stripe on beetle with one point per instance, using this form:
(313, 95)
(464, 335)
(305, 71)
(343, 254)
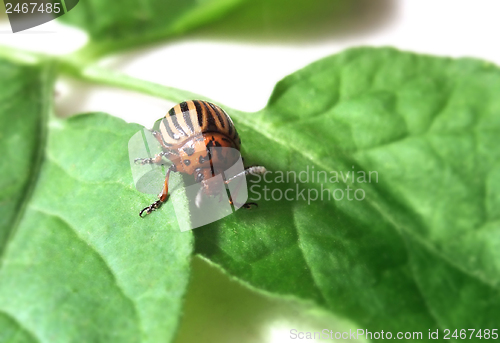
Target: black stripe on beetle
(187, 120)
(171, 112)
(199, 112)
(218, 114)
(184, 106)
(176, 124)
(211, 125)
(169, 130)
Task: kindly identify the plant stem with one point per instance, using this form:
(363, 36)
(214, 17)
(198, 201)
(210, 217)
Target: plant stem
(95, 74)
(21, 56)
(78, 68)
(103, 76)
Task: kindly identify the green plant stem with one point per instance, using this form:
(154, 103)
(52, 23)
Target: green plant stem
(79, 69)
(21, 56)
(98, 75)
(103, 76)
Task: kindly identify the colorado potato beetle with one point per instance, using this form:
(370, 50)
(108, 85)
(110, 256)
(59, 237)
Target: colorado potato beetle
(189, 136)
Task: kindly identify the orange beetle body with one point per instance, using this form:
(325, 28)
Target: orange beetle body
(190, 135)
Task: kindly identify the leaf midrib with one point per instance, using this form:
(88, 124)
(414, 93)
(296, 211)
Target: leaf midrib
(105, 263)
(20, 326)
(253, 125)
(47, 77)
(260, 130)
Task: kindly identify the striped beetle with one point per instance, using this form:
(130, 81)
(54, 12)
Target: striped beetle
(186, 134)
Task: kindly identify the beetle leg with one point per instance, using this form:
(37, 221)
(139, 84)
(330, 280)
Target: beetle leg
(153, 160)
(253, 170)
(247, 205)
(162, 196)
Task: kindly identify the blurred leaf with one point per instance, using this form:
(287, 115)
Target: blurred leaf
(304, 21)
(209, 308)
(13, 331)
(262, 19)
(420, 251)
(21, 92)
(114, 25)
(79, 264)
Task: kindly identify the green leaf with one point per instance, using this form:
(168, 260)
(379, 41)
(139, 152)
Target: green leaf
(209, 307)
(277, 21)
(421, 250)
(114, 25)
(22, 129)
(79, 265)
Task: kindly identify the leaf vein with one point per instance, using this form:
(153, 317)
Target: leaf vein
(107, 266)
(21, 327)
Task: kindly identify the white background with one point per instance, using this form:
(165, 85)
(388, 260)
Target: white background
(242, 75)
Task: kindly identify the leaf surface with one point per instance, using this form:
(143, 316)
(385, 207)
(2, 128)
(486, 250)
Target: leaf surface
(78, 264)
(21, 97)
(419, 249)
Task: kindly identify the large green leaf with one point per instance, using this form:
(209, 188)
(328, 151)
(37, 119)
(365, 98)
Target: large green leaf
(114, 25)
(420, 251)
(79, 264)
